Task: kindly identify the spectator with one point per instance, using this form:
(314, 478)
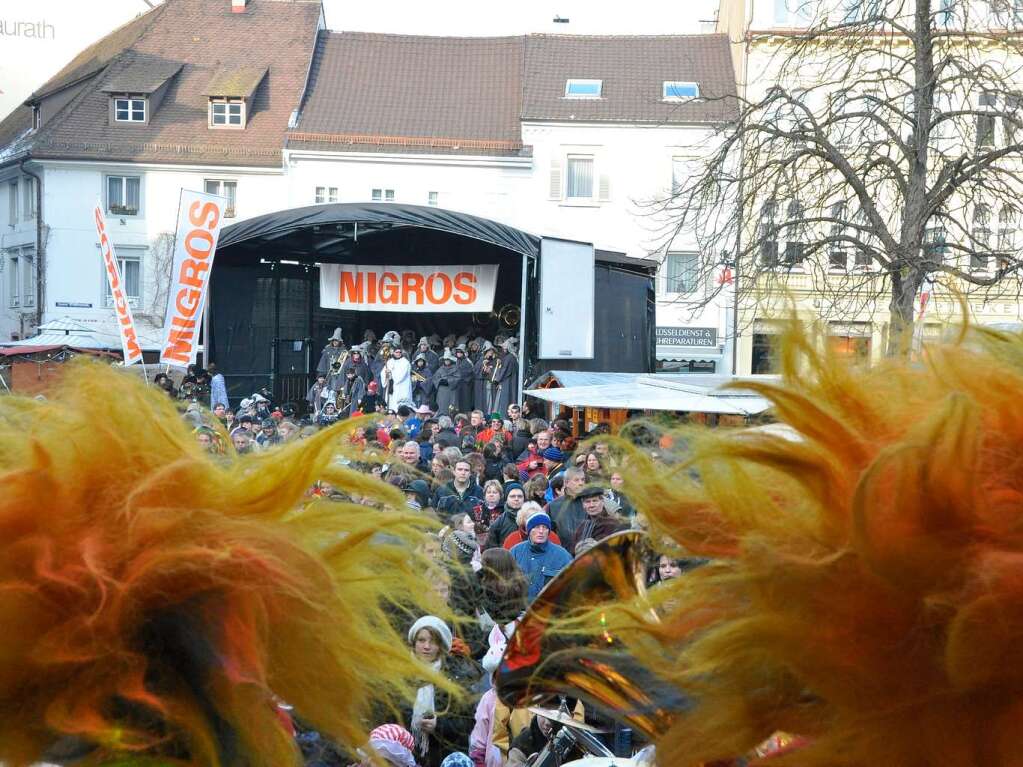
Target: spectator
(268, 435)
(490, 509)
(599, 523)
(519, 534)
(461, 494)
(615, 494)
(218, 387)
(567, 511)
(538, 558)
(411, 458)
(507, 523)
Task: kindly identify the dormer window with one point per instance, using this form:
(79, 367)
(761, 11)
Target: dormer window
(583, 89)
(232, 93)
(227, 113)
(676, 90)
(130, 109)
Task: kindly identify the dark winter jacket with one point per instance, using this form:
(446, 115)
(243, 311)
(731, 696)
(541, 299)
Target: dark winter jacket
(448, 500)
(501, 529)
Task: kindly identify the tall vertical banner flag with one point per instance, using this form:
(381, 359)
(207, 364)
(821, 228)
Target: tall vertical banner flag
(130, 347)
(199, 219)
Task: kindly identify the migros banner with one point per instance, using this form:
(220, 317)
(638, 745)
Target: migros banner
(125, 322)
(408, 288)
(199, 219)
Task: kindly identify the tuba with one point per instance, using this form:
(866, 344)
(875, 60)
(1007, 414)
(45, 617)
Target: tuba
(509, 315)
(541, 663)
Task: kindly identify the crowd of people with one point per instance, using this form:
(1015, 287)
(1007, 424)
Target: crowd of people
(518, 498)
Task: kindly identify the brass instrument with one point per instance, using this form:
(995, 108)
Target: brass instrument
(417, 376)
(542, 662)
(339, 360)
(509, 315)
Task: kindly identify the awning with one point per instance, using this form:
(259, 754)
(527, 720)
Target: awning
(78, 335)
(659, 393)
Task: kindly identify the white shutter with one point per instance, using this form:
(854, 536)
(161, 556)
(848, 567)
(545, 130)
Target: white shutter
(604, 190)
(555, 179)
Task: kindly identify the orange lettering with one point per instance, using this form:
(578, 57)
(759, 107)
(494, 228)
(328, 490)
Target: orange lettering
(202, 235)
(187, 302)
(445, 286)
(192, 273)
(412, 286)
(465, 292)
(350, 287)
(197, 215)
(179, 343)
(389, 288)
(371, 277)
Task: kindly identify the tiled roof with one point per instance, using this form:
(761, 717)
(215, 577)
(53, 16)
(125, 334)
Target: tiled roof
(446, 94)
(236, 82)
(138, 73)
(632, 69)
(205, 37)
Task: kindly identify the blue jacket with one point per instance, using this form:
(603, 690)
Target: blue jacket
(539, 563)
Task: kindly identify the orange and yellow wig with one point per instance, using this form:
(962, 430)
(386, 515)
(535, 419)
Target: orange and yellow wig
(866, 588)
(157, 601)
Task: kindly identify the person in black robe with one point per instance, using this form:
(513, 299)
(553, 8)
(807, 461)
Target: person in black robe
(505, 379)
(465, 379)
(445, 382)
(482, 371)
(432, 360)
(423, 390)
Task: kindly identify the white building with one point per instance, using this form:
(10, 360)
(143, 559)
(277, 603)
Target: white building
(560, 135)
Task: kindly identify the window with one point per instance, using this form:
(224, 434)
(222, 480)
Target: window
(765, 353)
(1011, 119)
(227, 113)
(583, 89)
(129, 262)
(681, 272)
(130, 109)
(21, 277)
(946, 14)
(794, 245)
(679, 91)
(838, 254)
(934, 242)
(326, 194)
(433, 198)
(767, 234)
(1009, 13)
(383, 195)
(1006, 230)
(986, 122)
(863, 257)
(124, 195)
(579, 181)
(850, 342)
(12, 203)
(224, 188)
(861, 10)
(28, 201)
(793, 12)
(981, 245)
(682, 169)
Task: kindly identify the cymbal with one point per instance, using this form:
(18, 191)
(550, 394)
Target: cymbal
(562, 718)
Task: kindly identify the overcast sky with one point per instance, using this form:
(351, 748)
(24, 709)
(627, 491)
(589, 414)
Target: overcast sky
(61, 28)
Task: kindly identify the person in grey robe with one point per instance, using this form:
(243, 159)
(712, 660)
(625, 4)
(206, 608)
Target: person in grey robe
(356, 359)
(481, 378)
(465, 379)
(423, 390)
(350, 393)
(445, 381)
(432, 360)
(505, 379)
(333, 354)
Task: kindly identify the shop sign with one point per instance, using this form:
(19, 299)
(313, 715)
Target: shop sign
(686, 336)
(408, 288)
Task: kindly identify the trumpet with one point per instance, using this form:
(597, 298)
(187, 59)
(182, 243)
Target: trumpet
(541, 663)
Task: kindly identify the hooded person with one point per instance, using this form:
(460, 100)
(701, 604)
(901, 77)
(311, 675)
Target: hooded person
(333, 354)
(464, 371)
(445, 382)
(357, 359)
(504, 381)
(397, 378)
(423, 390)
(166, 599)
(483, 369)
(432, 359)
(350, 393)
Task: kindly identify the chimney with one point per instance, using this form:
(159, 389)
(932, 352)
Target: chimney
(238, 6)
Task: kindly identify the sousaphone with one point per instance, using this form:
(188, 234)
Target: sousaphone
(542, 662)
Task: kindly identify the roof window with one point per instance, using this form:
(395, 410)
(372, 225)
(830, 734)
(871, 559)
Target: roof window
(130, 109)
(676, 90)
(583, 89)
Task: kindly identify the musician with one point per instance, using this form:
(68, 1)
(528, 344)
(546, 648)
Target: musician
(317, 394)
(357, 359)
(504, 380)
(445, 382)
(331, 354)
(464, 371)
(432, 360)
(397, 380)
(351, 392)
(482, 371)
(423, 390)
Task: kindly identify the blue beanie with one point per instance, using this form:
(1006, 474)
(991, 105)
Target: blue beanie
(512, 486)
(539, 518)
(553, 454)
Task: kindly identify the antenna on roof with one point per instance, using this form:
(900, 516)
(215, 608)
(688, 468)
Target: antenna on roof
(560, 20)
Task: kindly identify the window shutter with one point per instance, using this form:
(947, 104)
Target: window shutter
(604, 190)
(555, 180)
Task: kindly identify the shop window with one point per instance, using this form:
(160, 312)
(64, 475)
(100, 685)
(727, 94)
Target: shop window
(854, 349)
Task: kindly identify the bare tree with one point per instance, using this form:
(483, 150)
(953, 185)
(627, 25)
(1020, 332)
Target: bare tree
(885, 153)
(160, 262)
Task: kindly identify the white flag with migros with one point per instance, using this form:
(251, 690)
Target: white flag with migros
(130, 347)
(408, 288)
(199, 219)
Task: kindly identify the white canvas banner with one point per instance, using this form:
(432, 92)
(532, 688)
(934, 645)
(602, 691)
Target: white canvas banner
(408, 288)
(125, 321)
(199, 218)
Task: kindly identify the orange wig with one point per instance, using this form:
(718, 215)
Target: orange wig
(866, 584)
(157, 601)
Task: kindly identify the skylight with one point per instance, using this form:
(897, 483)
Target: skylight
(583, 89)
(674, 90)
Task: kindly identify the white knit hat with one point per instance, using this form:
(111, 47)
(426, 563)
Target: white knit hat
(438, 626)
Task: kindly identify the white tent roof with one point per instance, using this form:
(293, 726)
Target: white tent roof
(80, 335)
(645, 392)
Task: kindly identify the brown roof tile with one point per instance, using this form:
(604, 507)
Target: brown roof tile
(438, 92)
(235, 82)
(136, 72)
(205, 37)
(632, 69)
